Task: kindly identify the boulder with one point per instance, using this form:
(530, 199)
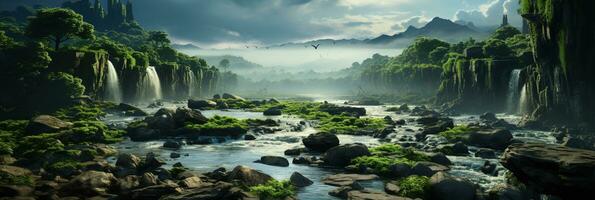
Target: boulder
(148, 179)
(341, 156)
(248, 176)
(127, 160)
(294, 152)
(249, 137)
(185, 115)
(272, 112)
(152, 161)
(208, 191)
(337, 110)
(191, 182)
(347, 179)
(428, 168)
(130, 110)
(506, 192)
(155, 192)
(485, 153)
(172, 144)
(163, 119)
(490, 138)
(488, 117)
(400, 170)
(321, 141)
(552, 169)
(90, 183)
(128, 183)
(274, 161)
(392, 188)
(232, 96)
(440, 158)
(342, 192)
(7, 170)
(299, 180)
(445, 187)
(140, 134)
(372, 195)
(201, 104)
(174, 155)
(46, 124)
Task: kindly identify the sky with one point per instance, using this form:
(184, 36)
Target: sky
(235, 23)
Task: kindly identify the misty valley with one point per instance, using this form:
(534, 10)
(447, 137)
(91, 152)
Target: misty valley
(287, 100)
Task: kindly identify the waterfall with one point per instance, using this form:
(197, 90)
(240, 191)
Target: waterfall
(513, 91)
(151, 85)
(191, 84)
(523, 100)
(112, 87)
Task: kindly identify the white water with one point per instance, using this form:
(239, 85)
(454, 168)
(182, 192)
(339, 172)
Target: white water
(513, 91)
(523, 100)
(191, 84)
(151, 85)
(112, 92)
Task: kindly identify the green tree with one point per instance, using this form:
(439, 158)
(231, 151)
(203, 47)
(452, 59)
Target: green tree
(419, 51)
(505, 32)
(58, 25)
(5, 41)
(437, 55)
(224, 64)
(159, 38)
(497, 49)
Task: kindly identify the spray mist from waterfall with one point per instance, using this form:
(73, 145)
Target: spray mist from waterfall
(523, 100)
(191, 84)
(151, 85)
(513, 91)
(112, 91)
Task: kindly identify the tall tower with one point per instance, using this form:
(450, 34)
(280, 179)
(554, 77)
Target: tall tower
(504, 20)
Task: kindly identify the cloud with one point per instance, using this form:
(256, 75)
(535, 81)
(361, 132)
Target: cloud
(490, 13)
(415, 21)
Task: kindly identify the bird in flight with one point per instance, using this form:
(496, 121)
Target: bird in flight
(315, 46)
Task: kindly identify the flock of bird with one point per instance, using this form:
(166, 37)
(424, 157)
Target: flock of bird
(314, 46)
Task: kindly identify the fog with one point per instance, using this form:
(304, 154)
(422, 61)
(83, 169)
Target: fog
(300, 59)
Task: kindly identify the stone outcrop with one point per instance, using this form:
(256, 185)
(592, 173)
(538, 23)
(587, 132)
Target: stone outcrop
(552, 169)
(342, 155)
(321, 141)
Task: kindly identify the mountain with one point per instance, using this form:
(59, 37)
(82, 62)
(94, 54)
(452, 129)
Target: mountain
(440, 28)
(182, 47)
(236, 63)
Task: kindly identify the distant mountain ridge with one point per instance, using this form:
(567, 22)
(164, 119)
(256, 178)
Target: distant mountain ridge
(236, 63)
(188, 46)
(439, 28)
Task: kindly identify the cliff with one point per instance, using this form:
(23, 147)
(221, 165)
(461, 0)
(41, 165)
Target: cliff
(88, 65)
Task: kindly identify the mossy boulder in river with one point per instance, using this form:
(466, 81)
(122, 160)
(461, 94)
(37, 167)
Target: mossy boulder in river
(46, 124)
(321, 141)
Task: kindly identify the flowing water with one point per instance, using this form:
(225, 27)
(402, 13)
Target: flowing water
(231, 153)
(112, 91)
(191, 84)
(513, 91)
(523, 100)
(151, 85)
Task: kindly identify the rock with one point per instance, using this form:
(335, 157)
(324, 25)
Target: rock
(294, 152)
(347, 179)
(299, 180)
(445, 187)
(337, 110)
(185, 115)
(211, 191)
(90, 183)
(249, 137)
(141, 134)
(274, 161)
(216, 96)
(404, 108)
(437, 126)
(342, 191)
(231, 96)
(428, 168)
(400, 122)
(493, 138)
(372, 195)
(46, 124)
(440, 158)
(191, 182)
(489, 168)
(200, 141)
(552, 169)
(7, 170)
(457, 149)
(130, 110)
(400, 170)
(506, 192)
(272, 112)
(127, 160)
(172, 144)
(222, 105)
(485, 153)
(341, 156)
(14, 192)
(163, 119)
(321, 141)
(248, 176)
(155, 192)
(201, 104)
(489, 117)
(152, 162)
(174, 155)
(148, 179)
(392, 188)
(128, 183)
(7, 160)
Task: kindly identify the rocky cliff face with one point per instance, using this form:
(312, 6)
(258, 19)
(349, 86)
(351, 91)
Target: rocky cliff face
(560, 86)
(90, 66)
(475, 85)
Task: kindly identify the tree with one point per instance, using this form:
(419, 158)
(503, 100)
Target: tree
(159, 38)
(437, 55)
(497, 49)
(505, 32)
(419, 51)
(59, 25)
(224, 64)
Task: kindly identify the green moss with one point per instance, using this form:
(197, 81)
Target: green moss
(343, 124)
(91, 131)
(387, 155)
(10, 132)
(414, 186)
(236, 103)
(65, 165)
(457, 133)
(39, 145)
(8, 179)
(273, 190)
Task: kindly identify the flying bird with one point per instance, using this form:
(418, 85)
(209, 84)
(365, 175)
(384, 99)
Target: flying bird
(315, 46)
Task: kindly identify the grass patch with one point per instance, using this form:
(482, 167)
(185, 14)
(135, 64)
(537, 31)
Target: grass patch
(235, 103)
(220, 122)
(457, 133)
(387, 155)
(273, 190)
(414, 186)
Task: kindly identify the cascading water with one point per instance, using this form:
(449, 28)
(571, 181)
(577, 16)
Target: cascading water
(513, 91)
(191, 84)
(523, 100)
(151, 85)
(112, 91)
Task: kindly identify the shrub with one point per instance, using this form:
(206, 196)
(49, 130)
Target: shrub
(273, 189)
(414, 186)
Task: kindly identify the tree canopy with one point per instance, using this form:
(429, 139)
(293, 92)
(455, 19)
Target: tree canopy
(505, 32)
(59, 25)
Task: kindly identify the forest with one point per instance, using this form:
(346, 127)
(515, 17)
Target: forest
(100, 101)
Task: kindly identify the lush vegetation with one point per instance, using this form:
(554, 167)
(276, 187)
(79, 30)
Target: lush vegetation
(414, 186)
(273, 189)
(457, 133)
(387, 155)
